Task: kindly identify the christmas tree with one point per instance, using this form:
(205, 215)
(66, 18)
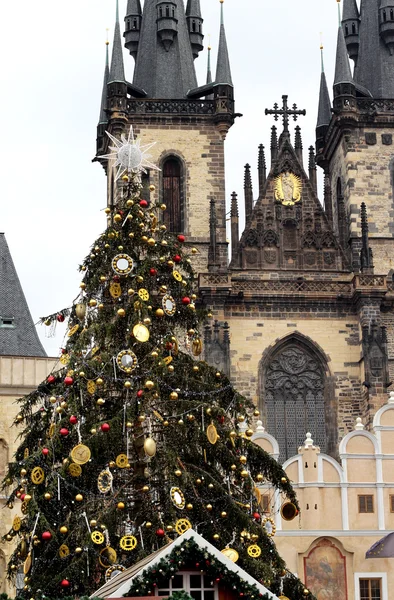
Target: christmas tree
(132, 439)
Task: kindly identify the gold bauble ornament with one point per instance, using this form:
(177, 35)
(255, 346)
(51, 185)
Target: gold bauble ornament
(100, 401)
(173, 396)
(78, 550)
(159, 313)
(99, 381)
(149, 385)
(145, 488)
(63, 529)
(196, 368)
(209, 507)
(53, 399)
(166, 423)
(92, 303)
(121, 505)
(249, 433)
(127, 384)
(223, 514)
(47, 496)
(121, 312)
(283, 479)
(150, 447)
(151, 242)
(178, 472)
(240, 418)
(244, 473)
(170, 368)
(256, 413)
(112, 464)
(189, 506)
(23, 472)
(79, 498)
(216, 536)
(152, 187)
(148, 524)
(198, 481)
(130, 292)
(117, 218)
(181, 422)
(93, 431)
(243, 460)
(233, 467)
(259, 477)
(93, 523)
(27, 498)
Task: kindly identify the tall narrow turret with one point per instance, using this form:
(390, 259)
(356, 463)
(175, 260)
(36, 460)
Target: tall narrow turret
(344, 88)
(223, 69)
(103, 118)
(262, 169)
(164, 63)
(133, 26)
(351, 25)
(194, 21)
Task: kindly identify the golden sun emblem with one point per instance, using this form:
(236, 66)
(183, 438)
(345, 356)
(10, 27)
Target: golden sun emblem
(288, 188)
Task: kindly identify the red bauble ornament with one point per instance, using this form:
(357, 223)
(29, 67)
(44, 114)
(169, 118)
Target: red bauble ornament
(181, 238)
(22, 497)
(65, 583)
(46, 536)
(116, 278)
(153, 272)
(143, 203)
(256, 516)
(168, 346)
(51, 379)
(60, 318)
(177, 258)
(64, 351)
(68, 381)
(64, 431)
(105, 427)
(140, 393)
(221, 419)
(160, 533)
(185, 300)
(73, 420)
(45, 451)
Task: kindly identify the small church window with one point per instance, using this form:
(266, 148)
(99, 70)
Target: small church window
(160, 12)
(7, 322)
(193, 26)
(135, 24)
(384, 16)
(172, 195)
(346, 30)
(391, 14)
(167, 11)
(354, 28)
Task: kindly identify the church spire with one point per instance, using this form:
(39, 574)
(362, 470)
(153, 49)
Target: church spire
(117, 67)
(133, 26)
(164, 63)
(103, 119)
(351, 24)
(209, 70)
(223, 69)
(324, 110)
(343, 72)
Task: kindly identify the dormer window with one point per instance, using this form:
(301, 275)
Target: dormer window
(7, 322)
(199, 587)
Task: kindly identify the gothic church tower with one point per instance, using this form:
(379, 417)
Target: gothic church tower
(164, 104)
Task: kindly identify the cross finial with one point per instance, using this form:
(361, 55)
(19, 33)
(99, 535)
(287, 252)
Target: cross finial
(285, 112)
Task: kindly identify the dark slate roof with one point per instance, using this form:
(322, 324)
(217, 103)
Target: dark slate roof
(223, 69)
(350, 10)
(21, 339)
(343, 73)
(160, 73)
(375, 65)
(117, 66)
(324, 112)
(104, 97)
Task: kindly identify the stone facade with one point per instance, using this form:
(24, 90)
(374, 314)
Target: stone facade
(327, 544)
(18, 377)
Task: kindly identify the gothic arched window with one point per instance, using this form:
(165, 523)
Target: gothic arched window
(172, 194)
(293, 391)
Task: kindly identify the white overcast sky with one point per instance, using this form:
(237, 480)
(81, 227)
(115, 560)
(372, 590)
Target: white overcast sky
(51, 194)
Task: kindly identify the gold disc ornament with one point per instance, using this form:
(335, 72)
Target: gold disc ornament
(75, 470)
(37, 475)
(143, 294)
(169, 305)
(80, 454)
(24, 507)
(212, 434)
(115, 290)
(122, 264)
(182, 525)
(122, 461)
(73, 330)
(27, 564)
(97, 537)
(91, 387)
(65, 359)
(128, 543)
(177, 276)
(64, 551)
(254, 551)
(107, 557)
(127, 361)
(104, 481)
(231, 554)
(177, 498)
(17, 523)
(141, 332)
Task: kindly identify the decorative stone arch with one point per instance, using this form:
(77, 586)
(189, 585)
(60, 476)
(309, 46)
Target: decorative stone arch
(177, 157)
(297, 395)
(343, 445)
